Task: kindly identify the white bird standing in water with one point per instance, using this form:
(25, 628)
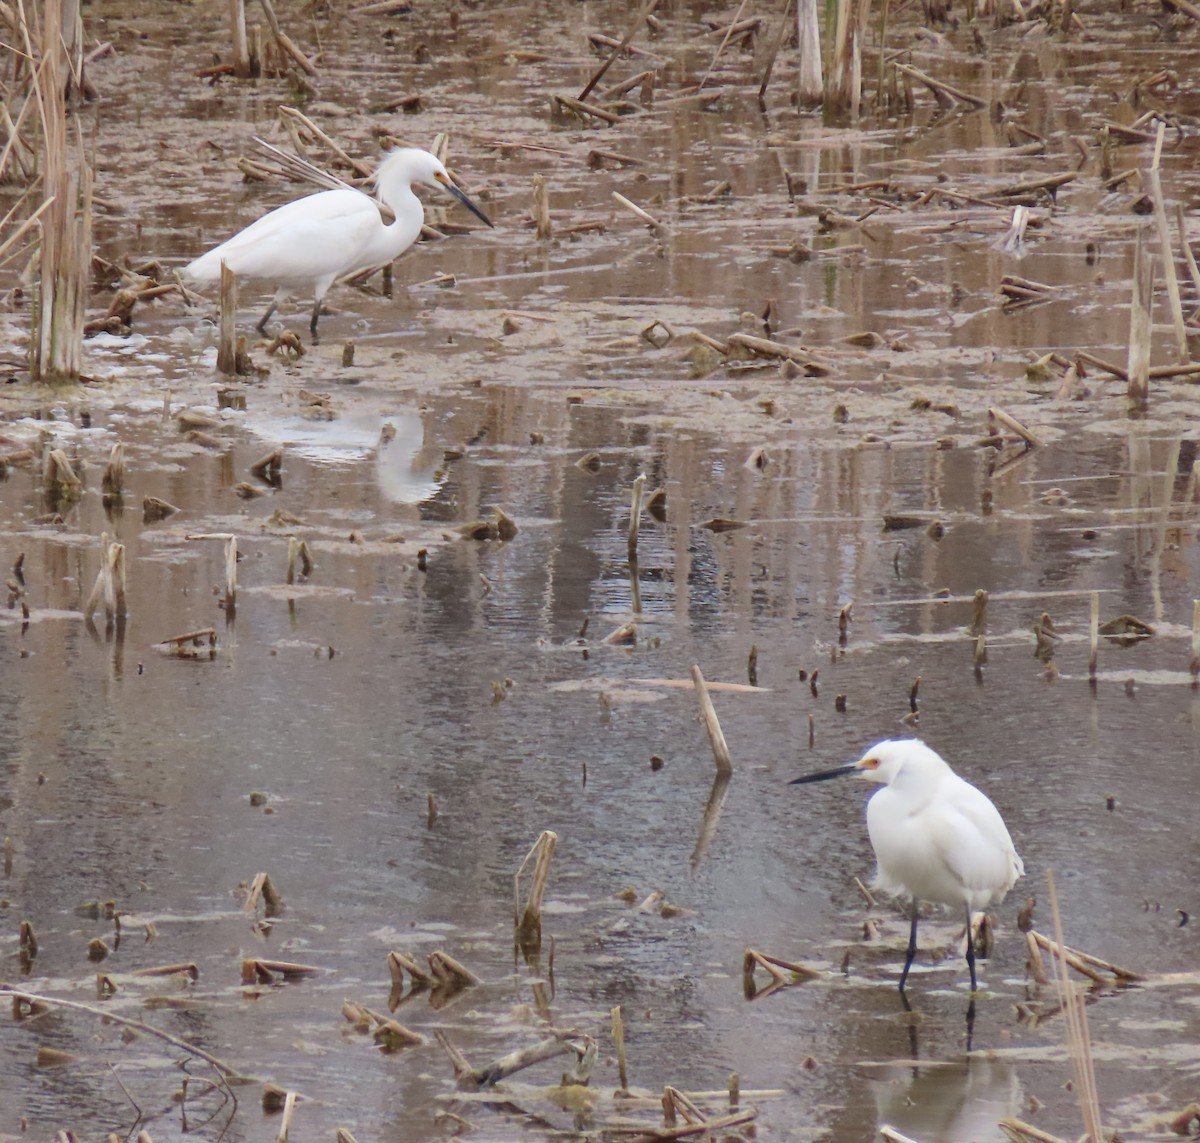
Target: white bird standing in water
(936, 837)
(314, 241)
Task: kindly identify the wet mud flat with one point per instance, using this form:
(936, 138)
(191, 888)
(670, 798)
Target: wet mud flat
(386, 733)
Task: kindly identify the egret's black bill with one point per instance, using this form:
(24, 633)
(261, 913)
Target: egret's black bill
(824, 775)
(458, 194)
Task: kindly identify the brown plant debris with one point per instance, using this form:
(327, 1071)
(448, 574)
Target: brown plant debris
(154, 509)
(256, 970)
(262, 888)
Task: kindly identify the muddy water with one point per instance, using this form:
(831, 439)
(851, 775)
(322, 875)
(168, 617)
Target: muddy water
(350, 697)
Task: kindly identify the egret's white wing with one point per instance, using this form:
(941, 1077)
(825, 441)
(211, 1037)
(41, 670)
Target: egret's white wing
(298, 242)
(974, 842)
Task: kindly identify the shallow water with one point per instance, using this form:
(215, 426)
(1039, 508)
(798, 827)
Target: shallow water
(351, 697)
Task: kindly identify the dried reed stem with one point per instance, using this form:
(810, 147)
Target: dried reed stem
(109, 1016)
(712, 725)
(618, 1035)
(631, 31)
(1079, 1046)
(1140, 326)
(1164, 241)
(227, 357)
(528, 921)
(1194, 666)
(635, 514)
(1093, 634)
(544, 227)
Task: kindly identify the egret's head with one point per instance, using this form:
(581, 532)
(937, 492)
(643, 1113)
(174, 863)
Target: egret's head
(412, 165)
(887, 760)
(884, 763)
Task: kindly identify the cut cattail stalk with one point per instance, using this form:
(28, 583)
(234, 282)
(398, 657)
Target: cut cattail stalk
(528, 921)
(1094, 635)
(578, 109)
(112, 483)
(1164, 242)
(227, 337)
(188, 968)
(293, 549)
(60, 477)
(391, 1035)
(447, 970)
(783, 971)
(1141, 327)
(154, 509)
(712, 725)
(268, 467)
(285, 1124)
(512, 1062)
(1037, 966)
(811, 84)
(1014, 426)
(978, 623)
(647, 218)
(400, 963)
(1082, 962)
(618, 1035)
(243, 67)
(1194, 666)
(263, 888)
(196, 638)
(544, 228)
(635, 514)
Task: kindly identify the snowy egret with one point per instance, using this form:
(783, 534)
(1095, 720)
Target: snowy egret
(936, 837)
(333, 234)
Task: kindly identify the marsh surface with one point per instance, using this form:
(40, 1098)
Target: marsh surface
(351, 696)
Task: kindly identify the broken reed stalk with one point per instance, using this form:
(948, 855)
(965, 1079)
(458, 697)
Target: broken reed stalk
(646, 11)
(285, 1124)
(635, 514)
(231, 561)
(843, 88)
(721, 47)
(64, 260)
(521, 1058)
(1164, 242)
(1194, 665)
(285, 43)
(645, 216)
(979, 614)
(1094, 635)
(528, 921)
(716, 736)
(810, 87)
(1140, 326)
(242, 66)
(108, 1016)
(1189, 259)
(544, 228)
(1079, 1046)
(112, 483)
(618, 1035)
(227, 337)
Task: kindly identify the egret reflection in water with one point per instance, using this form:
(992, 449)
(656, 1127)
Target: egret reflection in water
(959, 1102)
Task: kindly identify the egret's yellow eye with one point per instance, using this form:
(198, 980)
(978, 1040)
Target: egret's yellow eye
(869, 764)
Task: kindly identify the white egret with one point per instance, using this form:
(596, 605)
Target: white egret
(314, 241)
(936, 837)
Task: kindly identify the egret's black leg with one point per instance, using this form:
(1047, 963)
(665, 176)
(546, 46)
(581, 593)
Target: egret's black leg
(312, 325)
(912, 945)
(970, 950)
(262, 325)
